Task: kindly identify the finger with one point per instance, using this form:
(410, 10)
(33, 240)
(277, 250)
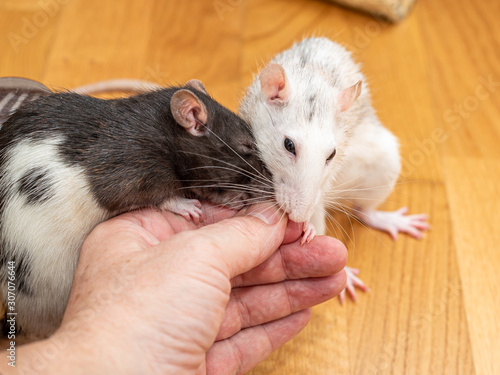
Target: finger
(162, 224)
(235, 245)
(213, 214)
(241, 243)
(251, 306)
(243, 351)
(323, 256)
(149, 223)
(293, 232)
(155, 225)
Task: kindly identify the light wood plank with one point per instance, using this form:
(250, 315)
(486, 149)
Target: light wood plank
(27, 29)
(472, 187)
(200, 40)
(464, 72)
(98, 40)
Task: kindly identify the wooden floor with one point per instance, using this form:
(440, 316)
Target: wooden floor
(435, 78)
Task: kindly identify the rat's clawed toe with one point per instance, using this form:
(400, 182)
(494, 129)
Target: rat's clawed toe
(396, 221)
(190, 209)
(353, 282)
(309, 232)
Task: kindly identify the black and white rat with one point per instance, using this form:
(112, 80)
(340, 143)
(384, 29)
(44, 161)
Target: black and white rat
(70, 161)
(320, 138)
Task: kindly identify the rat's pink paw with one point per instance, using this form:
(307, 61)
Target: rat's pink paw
(309, 233)
(190, 209)
(353, 282)
(395, 222)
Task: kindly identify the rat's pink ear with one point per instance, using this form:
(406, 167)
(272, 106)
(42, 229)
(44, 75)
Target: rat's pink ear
(189, 112)
(274, 84)
(347, 97)
(196, 84)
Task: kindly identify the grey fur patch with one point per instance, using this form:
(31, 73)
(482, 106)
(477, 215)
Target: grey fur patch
(303, 61)
(312, 106)
(22, 270)
(35, 185)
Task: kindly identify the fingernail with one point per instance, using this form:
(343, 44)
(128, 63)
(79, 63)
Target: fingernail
(265, 212)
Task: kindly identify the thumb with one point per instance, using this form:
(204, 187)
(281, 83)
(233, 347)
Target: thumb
(240, 243)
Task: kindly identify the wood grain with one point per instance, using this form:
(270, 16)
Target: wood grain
(435, 82)
(472, 187)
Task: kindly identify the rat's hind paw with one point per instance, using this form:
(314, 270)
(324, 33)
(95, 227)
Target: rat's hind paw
(353, 282)
(309, 232)
(395, 222)
(190, 209)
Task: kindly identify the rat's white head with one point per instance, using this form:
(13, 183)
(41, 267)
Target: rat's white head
(300, 132)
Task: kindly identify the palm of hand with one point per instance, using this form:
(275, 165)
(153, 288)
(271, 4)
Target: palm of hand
(215, 299)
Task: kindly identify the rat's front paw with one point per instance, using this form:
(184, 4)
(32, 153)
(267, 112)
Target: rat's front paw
(309, 232)
(353, 282)
(190, 209)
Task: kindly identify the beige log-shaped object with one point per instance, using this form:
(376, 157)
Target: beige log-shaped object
(393, 10)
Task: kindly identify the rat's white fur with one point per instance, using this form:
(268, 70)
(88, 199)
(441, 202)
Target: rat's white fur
(367, 162)
(51, 264)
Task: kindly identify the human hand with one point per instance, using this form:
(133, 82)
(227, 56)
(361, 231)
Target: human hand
(217, 299)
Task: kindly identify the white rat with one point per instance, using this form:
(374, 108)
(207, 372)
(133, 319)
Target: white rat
(323, 143)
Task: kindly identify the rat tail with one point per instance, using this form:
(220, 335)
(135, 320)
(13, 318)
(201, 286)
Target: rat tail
(127, 85)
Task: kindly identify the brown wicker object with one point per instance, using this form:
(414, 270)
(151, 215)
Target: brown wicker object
(393, 10)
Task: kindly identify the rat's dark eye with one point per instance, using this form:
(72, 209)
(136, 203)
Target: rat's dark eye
(289, 145)
(332, 155)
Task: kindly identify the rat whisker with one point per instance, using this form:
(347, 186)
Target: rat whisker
(241, 203)
(236, 203)
(227, 163)
(337, 187)
(345, 182)
(223, 183)
(381, 187)
(240, 170)
(348, 212)
(334, 187)
(351, 201)
(229, 188)
(224, 142)
(248, 202)
(215, 183)
(335, 221)
(235, 169)
(345, 210)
